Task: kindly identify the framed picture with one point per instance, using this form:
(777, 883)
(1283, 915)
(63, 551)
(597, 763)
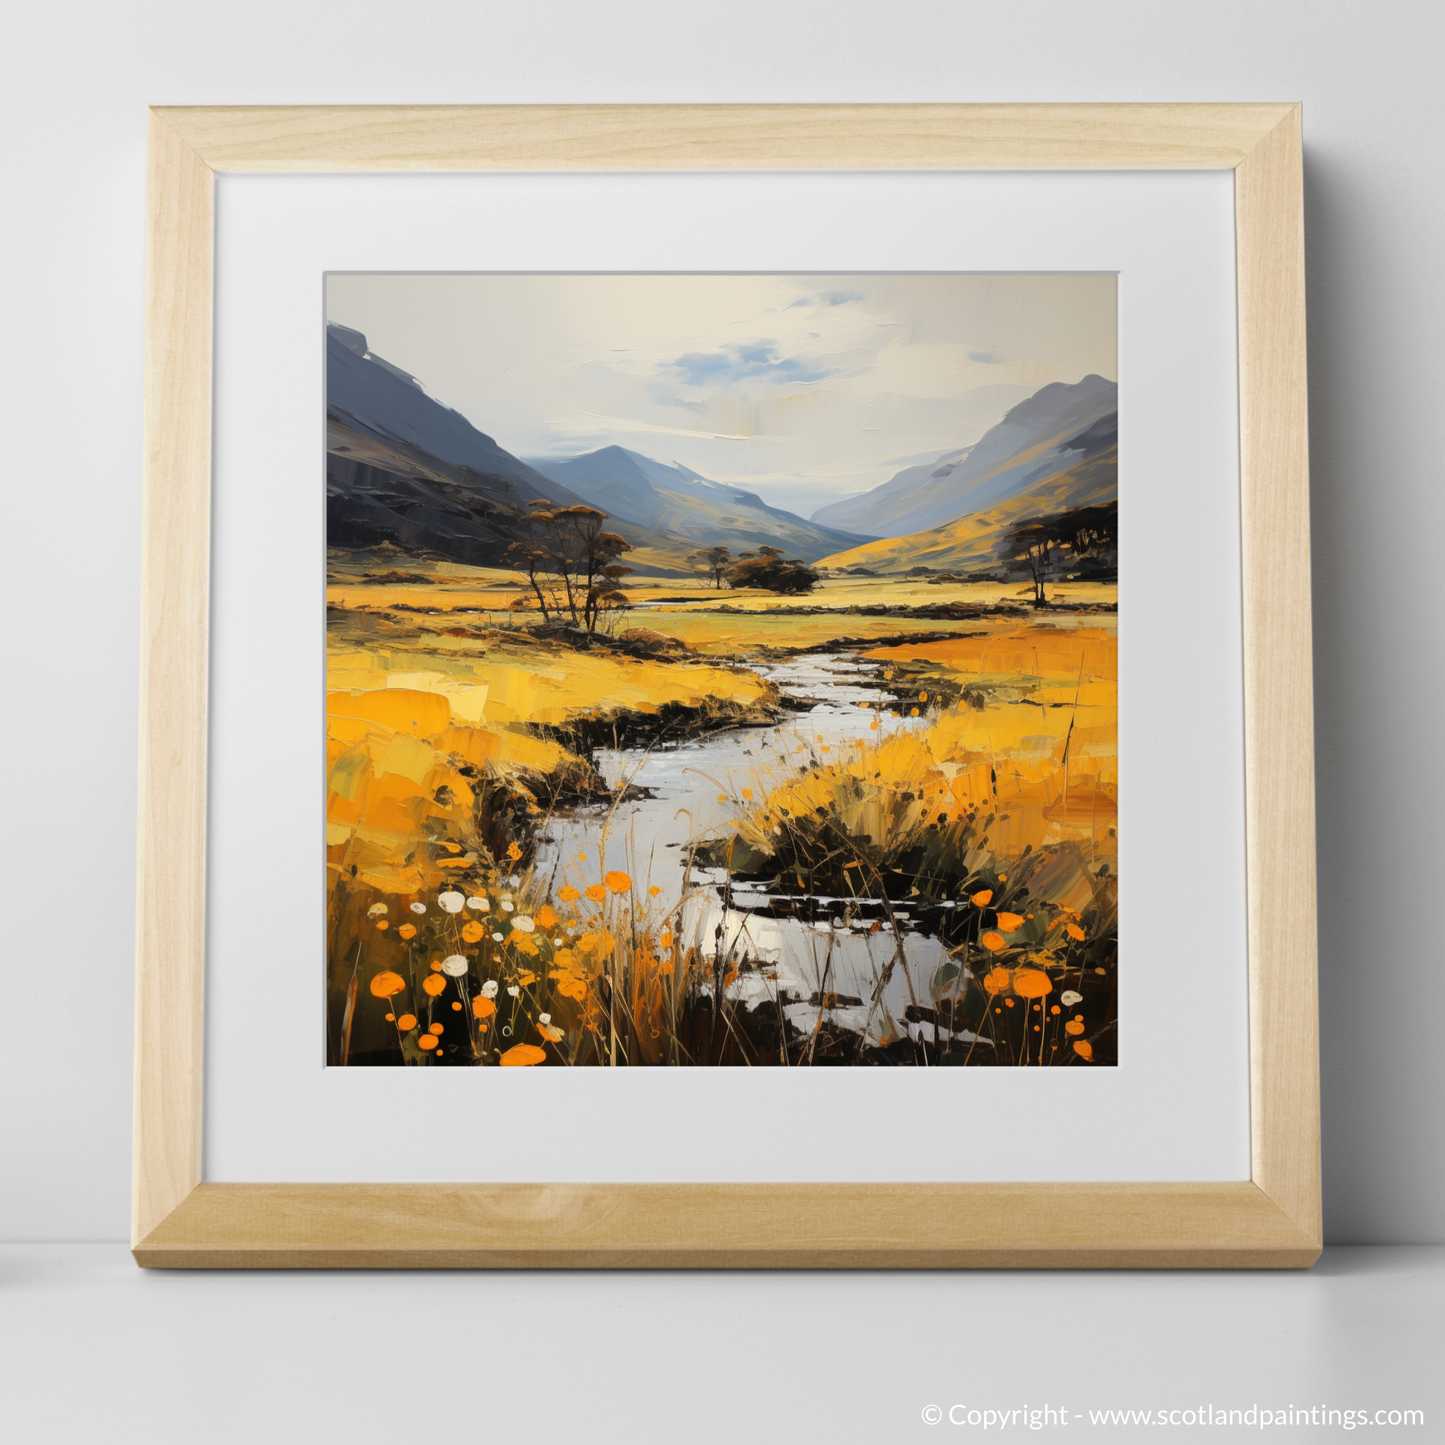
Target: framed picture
(817, 712)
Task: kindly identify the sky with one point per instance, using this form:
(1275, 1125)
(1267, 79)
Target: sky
(802, 388)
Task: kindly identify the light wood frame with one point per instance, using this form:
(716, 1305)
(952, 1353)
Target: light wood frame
(1271, 1220)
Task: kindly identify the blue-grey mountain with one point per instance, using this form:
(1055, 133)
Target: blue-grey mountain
(1037, 439)
(405, 470)
(673, 499)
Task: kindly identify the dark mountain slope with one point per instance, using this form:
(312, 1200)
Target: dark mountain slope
(404, 469)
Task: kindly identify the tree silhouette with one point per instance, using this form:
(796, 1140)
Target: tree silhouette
(771, 570)
(1037, 541)
(712, 560)
(570, 563)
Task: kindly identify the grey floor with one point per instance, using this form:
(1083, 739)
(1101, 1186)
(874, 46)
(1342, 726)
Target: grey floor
(93, 1349)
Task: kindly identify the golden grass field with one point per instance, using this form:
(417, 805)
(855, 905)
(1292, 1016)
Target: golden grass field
(454, 733)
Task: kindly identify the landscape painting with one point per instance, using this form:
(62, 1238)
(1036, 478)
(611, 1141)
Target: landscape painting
(721, 671)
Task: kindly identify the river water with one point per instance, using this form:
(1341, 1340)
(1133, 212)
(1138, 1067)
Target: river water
(803, 948)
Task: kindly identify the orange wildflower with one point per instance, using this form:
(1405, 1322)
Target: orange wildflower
(522, 1055)
(546, 916)
(1032, 983)
(996, 980)
(1074, 1026)
(406, 1021)
(407, 930)
(428, 1041)
(568, 894)
(472, 932)
(1074, 931)
(552, 1035)
(617, 882)
(483, 1008)
(596, 892)
(994, 942)
(387, 983)
(513, 852)
(982, 900)
(1010, 922)
(1083, 1049)
(434, 984)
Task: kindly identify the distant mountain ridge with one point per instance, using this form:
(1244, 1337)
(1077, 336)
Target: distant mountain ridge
(1082, 471)
(1035, 440)
(404, 469)
(969, 543)
(674, 499)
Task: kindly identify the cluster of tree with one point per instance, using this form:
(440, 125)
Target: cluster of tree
(1041, 545)
(571, 565)
(768, 567)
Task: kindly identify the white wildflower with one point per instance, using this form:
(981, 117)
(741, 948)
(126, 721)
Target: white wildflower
(1069, 998)
(480, 904)
(544, 1018)
(523, 924)
(513, 990)
(454, 966)
(418, 907)
(452, 901)
(489, 989)
(376, 910)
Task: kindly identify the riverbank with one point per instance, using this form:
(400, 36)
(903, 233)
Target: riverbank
(730, 775)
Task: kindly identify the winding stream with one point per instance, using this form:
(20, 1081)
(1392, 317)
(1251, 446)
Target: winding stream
(804, 947)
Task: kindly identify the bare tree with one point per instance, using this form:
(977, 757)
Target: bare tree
(570, 563)
(1031, 543)
(713, 560)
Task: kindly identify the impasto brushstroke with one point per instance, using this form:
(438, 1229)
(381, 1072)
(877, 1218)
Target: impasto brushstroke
(721, 670)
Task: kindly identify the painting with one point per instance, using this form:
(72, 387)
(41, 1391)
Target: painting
(721, 670)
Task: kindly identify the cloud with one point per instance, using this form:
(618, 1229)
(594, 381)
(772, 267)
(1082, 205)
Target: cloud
(827, 298)
(749, 361)
(592, 424)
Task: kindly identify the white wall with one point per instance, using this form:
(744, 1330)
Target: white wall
(76, 80)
